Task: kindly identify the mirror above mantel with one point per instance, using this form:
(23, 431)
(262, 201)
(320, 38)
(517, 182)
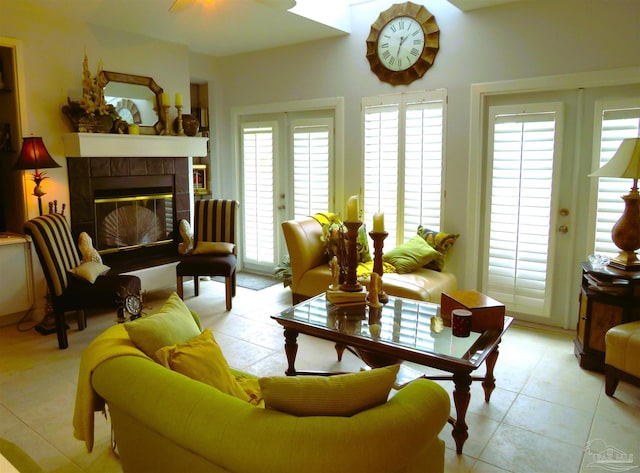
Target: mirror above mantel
(137, 99)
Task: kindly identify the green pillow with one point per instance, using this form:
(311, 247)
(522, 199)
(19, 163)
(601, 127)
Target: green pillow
(172, 324)
(411, 255)
(441, 241)
(340, 395)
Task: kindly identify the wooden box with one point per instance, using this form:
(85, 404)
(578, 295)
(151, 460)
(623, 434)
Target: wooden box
(486, 313)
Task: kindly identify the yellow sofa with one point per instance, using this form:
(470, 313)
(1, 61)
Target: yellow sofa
(311, 274)
(164, 421)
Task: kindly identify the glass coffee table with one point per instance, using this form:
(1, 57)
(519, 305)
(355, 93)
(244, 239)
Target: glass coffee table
(399, 331)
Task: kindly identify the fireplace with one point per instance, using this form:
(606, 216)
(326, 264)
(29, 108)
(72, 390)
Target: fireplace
(128, 219)
(129, 193)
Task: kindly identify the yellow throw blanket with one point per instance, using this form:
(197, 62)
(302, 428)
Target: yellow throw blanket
(111, 343)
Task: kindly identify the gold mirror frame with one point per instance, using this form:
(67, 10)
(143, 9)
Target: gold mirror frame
(108, 76)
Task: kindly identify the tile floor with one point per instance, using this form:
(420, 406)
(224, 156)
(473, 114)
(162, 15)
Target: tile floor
(546, 414)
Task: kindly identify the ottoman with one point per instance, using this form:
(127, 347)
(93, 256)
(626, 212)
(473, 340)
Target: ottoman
(622, 355)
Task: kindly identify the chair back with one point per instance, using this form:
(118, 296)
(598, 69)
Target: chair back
(215, 220)
(55, 247)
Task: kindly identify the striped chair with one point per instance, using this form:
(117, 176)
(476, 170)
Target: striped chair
(58, 254)
(214, 246)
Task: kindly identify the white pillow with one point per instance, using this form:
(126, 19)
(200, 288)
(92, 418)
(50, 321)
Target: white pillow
(89, 271)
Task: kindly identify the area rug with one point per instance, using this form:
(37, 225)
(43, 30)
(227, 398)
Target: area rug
(252, 281)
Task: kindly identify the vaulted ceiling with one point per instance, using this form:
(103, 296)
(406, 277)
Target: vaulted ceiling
(223, 27)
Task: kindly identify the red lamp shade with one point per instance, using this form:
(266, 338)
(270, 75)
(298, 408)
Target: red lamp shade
(34, 155)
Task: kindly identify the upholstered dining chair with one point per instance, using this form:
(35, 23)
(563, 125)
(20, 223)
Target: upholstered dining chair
(74, 285)
(214, 246)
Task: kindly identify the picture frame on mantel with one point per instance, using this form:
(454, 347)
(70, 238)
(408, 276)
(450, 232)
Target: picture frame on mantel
(200, 179)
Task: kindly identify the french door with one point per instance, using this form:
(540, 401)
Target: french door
(287, 168)
(541, 213)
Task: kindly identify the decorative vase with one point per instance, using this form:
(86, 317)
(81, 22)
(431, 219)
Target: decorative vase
(190, 125)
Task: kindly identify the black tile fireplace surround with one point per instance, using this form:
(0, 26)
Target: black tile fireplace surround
(90, 175)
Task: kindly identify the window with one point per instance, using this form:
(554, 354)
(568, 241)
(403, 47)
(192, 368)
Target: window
(521, 171)
(311, 167)
(257, 205)
(403, 160)
(616, 124)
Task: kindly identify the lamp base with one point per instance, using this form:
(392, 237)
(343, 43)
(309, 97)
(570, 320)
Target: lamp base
(626, 260)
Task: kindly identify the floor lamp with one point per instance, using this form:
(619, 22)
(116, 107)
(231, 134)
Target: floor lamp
(34, 156)
(625, 163)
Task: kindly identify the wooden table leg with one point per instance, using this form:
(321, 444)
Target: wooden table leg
(291, 349)
(340, 350)
(489, 382)
(461, 397)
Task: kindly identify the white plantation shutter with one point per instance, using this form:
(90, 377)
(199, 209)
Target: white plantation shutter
(257, 200)
(616, 126)
(381, 167)
(423, 166)
(311, 167)
(521, 184)
(403, 159)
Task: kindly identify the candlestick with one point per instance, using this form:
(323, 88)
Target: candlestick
(351, 283)
(180, 131)
(178, 100)
(353, 211)
(378, 244)
(378, 222)
(167, 128)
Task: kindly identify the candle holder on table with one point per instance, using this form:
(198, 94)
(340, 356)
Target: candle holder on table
(378, 244)
(351, 283)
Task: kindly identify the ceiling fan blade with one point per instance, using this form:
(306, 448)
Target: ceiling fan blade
(181, 5)
(279, 4)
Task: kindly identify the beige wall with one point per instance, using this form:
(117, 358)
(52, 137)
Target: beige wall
(529, 38)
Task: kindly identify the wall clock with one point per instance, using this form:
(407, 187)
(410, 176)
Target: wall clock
(128, 111)
(403, 43)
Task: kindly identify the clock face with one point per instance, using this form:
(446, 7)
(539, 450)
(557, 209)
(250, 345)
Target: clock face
(403, 43)
(126, 115)
(400, 43)
(133, 305)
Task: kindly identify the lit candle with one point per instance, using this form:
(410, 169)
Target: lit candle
(378, 222)
(178, 100)
(352, 209)
(165, 99)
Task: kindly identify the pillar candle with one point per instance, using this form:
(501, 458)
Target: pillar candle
(352, 209)
(378, 222)
(165, 99)
(178, 100)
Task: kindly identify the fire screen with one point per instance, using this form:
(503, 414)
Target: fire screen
(128, 222)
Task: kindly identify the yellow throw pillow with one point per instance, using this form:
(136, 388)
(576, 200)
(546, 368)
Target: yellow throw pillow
(338, 395)
(90, 271)
(201, 359)
(172, 324)
(213, 247)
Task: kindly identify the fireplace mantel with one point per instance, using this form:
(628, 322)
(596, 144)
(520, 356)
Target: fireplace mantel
(96, 145)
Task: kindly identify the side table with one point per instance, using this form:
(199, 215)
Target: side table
(608, 297)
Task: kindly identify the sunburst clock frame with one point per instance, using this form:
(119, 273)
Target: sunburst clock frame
(403, 43)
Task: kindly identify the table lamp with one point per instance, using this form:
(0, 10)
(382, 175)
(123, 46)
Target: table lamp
(34, 155)
(626, 232)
